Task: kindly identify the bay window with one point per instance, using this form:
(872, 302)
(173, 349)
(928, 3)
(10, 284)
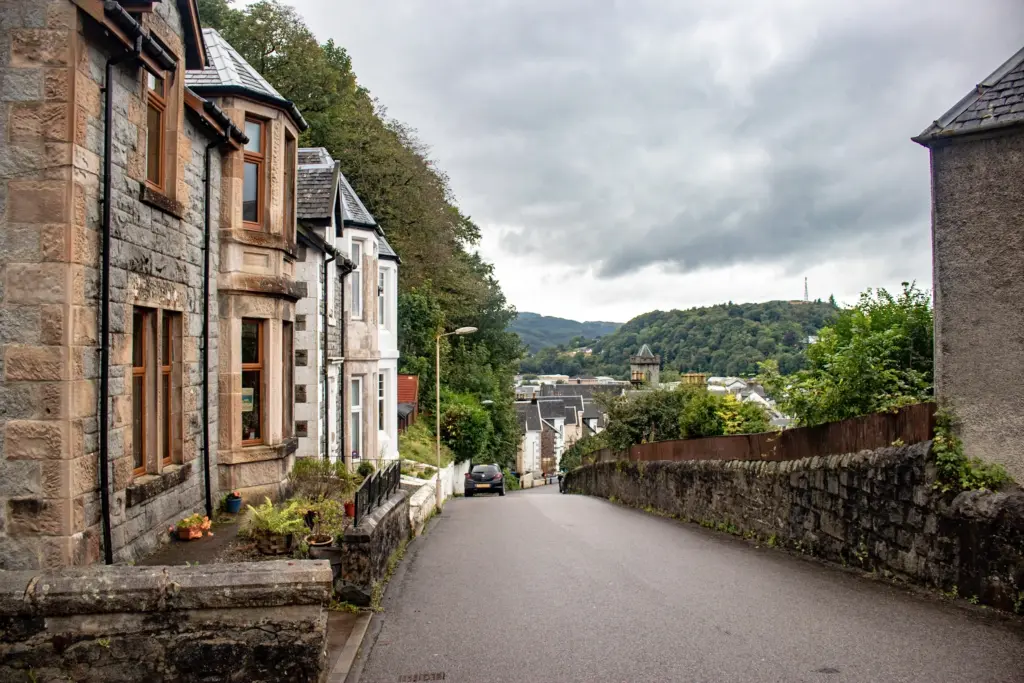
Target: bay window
(252, 381)
(253, 180)
(356, 416)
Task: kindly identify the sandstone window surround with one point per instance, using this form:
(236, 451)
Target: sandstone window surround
(162, 99)
(287, 378)
(156, 390)
(356, 278)
(254, 182)
(291, 160)
(252, 381)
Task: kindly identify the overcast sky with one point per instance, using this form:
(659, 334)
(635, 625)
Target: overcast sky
(623, 156)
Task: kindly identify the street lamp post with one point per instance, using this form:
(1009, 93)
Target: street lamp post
(437, 406)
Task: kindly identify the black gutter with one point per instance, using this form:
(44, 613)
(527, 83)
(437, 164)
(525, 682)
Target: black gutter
(328, 258)
(253, 94)
(104, 426)
(222, 139)
(135, 31)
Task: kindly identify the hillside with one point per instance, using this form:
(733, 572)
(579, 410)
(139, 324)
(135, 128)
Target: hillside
(538, 331)
(727, 339)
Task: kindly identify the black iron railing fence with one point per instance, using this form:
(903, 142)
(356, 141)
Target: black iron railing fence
(377, 488)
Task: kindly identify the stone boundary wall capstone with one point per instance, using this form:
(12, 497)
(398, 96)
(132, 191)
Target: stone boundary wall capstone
(876, 510)
(254, 622)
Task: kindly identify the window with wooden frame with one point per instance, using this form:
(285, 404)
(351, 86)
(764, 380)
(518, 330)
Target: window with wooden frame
(254, 176)
(156, 108)
(252, 381)
(142, 358)
(287, 379)
(170, 387)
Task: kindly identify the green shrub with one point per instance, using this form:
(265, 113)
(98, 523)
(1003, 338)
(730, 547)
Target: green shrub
(511, 480)
(365, 469)
(275, 519)
(417, 444)
(316, 479)
(957, 472)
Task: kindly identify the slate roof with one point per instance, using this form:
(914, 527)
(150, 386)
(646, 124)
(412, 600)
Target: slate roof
(587, 391)
(570, 415)
(227, 71)
(645, 352)
(996, 102)
(316, 190)
(551, 408)
(315, 156)
(529, 416)
(355, 211)
(385, 251)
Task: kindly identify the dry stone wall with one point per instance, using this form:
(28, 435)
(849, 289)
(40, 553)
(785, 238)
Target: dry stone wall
(368, 547)
(877, 510)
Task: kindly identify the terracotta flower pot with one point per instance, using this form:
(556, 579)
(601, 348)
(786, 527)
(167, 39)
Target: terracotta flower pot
(189, 533)
(350, 508)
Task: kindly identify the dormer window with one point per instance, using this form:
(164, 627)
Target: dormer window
(156, 106)
(253, 182)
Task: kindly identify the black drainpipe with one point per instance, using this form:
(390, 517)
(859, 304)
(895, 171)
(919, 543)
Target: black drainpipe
(206, 320)
(328, 257)
(104, 422)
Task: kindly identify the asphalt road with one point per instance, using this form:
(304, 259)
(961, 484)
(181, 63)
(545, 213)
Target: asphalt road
(538, 586)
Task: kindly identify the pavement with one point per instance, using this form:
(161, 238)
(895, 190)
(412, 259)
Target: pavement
(539, 586)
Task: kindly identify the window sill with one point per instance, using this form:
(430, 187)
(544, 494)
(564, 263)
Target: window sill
(159, 200)
(149, 486)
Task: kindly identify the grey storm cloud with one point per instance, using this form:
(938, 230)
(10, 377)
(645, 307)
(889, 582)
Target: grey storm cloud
(617, 134)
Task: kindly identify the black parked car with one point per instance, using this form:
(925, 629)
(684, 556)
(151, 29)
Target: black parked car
(485, 479)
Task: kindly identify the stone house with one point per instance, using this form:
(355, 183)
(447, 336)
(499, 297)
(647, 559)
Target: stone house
(111, 182)
(371, 311)
(318, 317)
(977, 179)
(147, 277)
(256, 284)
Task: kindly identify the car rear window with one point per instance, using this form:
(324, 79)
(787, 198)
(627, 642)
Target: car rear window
(485, 469)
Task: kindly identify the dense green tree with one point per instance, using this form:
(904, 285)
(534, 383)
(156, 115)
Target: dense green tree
(875, 356)
(579, 453)
(728, 339)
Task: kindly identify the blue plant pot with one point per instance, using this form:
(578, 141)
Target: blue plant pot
(232, 505)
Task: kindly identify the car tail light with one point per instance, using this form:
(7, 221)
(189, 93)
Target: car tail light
(497, 476)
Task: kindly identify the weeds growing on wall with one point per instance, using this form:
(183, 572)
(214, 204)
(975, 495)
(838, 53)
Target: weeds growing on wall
(957, 472)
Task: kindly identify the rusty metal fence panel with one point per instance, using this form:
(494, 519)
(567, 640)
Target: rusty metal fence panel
(911, 424)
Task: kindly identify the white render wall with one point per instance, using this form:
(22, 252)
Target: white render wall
(310, 340)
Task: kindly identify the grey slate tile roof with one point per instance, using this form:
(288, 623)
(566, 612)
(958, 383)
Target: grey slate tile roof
(570, 415)
(316, 191)
(355, 212)
(385, 250)
(529, 416)
(996, 102)
(645, 352)
(225, 67)
(551, 408)
(587, 391)
(319, 156)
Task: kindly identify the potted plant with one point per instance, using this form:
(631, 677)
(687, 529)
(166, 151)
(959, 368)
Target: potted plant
(273, 526)
(323, 518)
(192, 527)
(350, 508)
(233, 503)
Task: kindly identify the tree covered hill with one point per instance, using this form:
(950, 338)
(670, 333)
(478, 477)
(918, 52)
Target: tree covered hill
(727, 339)
(538, 331)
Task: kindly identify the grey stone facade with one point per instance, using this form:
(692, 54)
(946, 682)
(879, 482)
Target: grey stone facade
(978, 243)
(50, 226)
(876, 510)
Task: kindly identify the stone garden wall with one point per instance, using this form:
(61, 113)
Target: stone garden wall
(253, 622)
(877, 510)
(368, 547)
